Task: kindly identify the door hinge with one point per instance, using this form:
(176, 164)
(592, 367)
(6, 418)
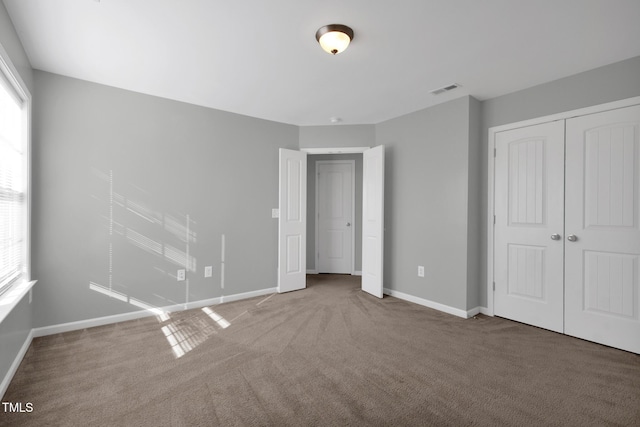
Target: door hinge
(494, 220)
(494, 286)
(494, 152)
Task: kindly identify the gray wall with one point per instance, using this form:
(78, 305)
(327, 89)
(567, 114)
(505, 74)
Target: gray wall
(426, 201)
(148, 163)
(613, 82)
(337, 136)
(15, 328)
(311, 206)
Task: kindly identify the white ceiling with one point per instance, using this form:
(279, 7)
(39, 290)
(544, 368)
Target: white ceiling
(260, 57)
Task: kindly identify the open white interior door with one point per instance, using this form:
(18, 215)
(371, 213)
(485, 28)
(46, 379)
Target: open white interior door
(292, 222)
(373, 220)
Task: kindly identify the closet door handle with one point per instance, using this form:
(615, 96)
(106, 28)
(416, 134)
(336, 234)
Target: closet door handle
(555, 237)
(572, 237)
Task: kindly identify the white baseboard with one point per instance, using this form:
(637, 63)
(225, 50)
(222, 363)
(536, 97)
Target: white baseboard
(357, 273)
(247, 295)
(107, 320)
(465, 314)
(4, 385)
(312, 271)
(485, 311)
(478, 310)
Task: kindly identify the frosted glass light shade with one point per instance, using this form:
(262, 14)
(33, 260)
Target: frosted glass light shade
(334, 38)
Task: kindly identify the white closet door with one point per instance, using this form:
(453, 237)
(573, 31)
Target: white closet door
(602, 255)
(529, 201)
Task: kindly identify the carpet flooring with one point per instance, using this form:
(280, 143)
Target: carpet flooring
(327, 355)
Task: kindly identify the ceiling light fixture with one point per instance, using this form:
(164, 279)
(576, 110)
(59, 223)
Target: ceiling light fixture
(334, 38)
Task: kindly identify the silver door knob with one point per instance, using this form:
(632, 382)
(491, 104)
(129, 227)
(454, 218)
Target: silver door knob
(572, 238)
(348, 224)
(555, 237)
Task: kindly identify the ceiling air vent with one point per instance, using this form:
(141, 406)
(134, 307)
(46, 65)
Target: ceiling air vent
(444, 89)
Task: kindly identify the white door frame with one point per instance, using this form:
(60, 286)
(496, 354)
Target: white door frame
(353, 209)
(338, 150)
(348, 150)
(491, 173)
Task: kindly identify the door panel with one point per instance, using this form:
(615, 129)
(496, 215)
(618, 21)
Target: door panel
(335, 188)
(529, 198)
(373, 220)
(525, 268)
(602, 212)
(292, 222)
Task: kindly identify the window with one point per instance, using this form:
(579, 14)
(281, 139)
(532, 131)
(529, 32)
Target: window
(14, 183)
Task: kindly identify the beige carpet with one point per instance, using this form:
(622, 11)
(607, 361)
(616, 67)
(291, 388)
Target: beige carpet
(327, 355)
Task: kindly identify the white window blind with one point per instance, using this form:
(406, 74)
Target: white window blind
(13, 185)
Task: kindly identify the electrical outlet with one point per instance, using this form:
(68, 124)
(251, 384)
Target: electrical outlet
(208, 271)
(275, 213)
(421, 271)
(182, 275)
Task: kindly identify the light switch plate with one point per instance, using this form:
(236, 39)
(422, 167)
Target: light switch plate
(275, 213)
(208, 271)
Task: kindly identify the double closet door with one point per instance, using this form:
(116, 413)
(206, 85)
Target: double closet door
(567, 226)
